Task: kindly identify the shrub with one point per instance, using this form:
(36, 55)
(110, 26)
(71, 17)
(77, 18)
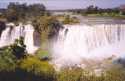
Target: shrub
(70, 20)
(40, 68)
(74, 74)
(42, 53)
(10, 54)
(7, 59)
(19, 48)
(18, 12)
(47, 26)
(77, 74)
(115, 74)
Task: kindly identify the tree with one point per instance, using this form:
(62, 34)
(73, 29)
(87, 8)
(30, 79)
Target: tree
(19, 48)
(47, 26)
(67, 20)
(7, 59)
(16, 11)
(12, 12)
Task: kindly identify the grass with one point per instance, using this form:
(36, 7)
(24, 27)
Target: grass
(42, 53)
(67, 19)
(31, 68)
(117, 16)
(77, 74)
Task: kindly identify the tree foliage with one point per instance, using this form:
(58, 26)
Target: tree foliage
(16, 11)
(47, 26)
(7, 59)
(19, 48)
(70, 20)
(100, 11)
(10, 54)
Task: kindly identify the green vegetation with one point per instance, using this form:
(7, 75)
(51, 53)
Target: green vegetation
(77, 74)
(34, 65)
(70, 20)
(19, 48)
(32, 68)
(10, 54)
(47, 26)
(67, 19)
(16, 65)
(29, 68)
(7, 59)
(115, 74)
(96, 11)
(23, 12)
(42, 53)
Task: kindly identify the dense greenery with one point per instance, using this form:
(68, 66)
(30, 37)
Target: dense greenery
(33, 64)
(96, 11)
(78, 74)
(16, 66)
(29, 68)
(70, 20)
(32, 69)
(47, 26)
(19, 48)
(7, 59)
(23, 12)
(43, 54)
(10, 54)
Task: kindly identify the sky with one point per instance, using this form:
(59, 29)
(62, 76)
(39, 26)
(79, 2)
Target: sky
(68, 4)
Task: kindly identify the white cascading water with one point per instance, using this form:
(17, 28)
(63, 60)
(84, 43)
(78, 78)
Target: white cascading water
(76, 43)
(4, 40)
(9, 35)
(28, 40)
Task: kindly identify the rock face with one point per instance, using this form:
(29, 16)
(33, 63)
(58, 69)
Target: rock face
(96, 42)
(11, 32)
(2, 27)
(36, 38)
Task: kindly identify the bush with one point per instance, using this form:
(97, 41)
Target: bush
(77, 74)
(115, 74)
(7, 59)
(42, 53)
(19, 48)
(47, 26)
(19, 12)
(10, 54)
(69, 75)
(70, 20)
(39, 68)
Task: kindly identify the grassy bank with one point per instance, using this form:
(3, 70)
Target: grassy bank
(32, 69)
(116, 16)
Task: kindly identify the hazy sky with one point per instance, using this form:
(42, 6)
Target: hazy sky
(66, 4)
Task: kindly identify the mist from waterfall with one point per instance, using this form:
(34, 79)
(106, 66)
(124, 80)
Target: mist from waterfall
(12, 32)
(75, 43)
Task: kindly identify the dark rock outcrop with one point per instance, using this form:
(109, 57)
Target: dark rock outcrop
(2, 27)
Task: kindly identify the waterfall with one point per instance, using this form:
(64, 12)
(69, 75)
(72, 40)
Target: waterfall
(76, 43)
(13, 32)
(4, 40)
(28, 39)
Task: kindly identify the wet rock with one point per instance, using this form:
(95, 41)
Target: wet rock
(2, 27)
